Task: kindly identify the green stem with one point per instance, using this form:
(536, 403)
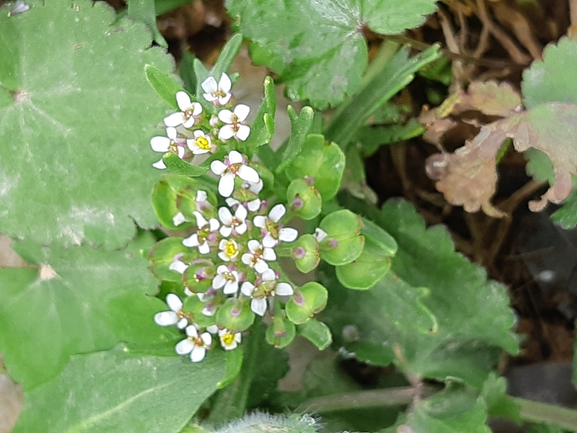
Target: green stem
(532, 411)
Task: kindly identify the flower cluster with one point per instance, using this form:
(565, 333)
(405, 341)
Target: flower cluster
(230, 271)
(191, 131)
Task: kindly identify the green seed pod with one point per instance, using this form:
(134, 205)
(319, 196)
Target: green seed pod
(235, 315)
(306, 302)
(303, 199)
(306, 253)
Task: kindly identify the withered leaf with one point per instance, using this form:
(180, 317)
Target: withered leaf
(489, 98)
(469, 176)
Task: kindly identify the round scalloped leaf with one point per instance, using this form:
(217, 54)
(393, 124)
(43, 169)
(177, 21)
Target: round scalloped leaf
(364, 272)
(74, 300)
(306, 302)
(323, 162)
(553, 78)
(281, 332)
(76, 159)
(343, 243)
(119, 391)
(322, 57)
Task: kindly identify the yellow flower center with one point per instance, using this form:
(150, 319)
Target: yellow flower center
(230, 249)
(202, 142)
(228, 339)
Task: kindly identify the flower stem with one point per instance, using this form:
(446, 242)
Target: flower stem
(532, 411)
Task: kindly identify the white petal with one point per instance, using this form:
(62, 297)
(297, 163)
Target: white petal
(204, 248)
(226, 116)
(226, 231)
(253, 245)
(243, 132)
(268, 254)
(223, 256)
(160, 144)
(178, 219)
(241, 111)
(288, 234)
(247, 288)
(247, 259)
(217, 167)
(213, 224)
(230, 287)
(183, 100)
(178, 266)
(248, 173)
(241, 213)
(241, 228)
(232, 202)
(269, 275)
(159, 165)
(226, 185)
(197, 354)
(256, 187)
(258, 306)
(200, 196)
(260, 266)
(320, 234)
(191, 331)
(173, 302)
(196, 108)
(206, 338)
(166, 318)
(225, 216)
(191, 241)
(184, 346)
(277, 212)
(259, 221)
(235, 157)
(219, 281)
(223, 100)
(268, 241)
(208, 311)
(283, 289)
(254, 205)
(213, 329)
(200, 219)
(209, 85)
(174, 119)
(182, 323)
(224, 83)
(188, 122)
(226, 133)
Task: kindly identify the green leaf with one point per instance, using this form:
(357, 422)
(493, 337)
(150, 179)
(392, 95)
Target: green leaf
(453, 410)
(117, 391)
(322, 57)
(163, 85)
(234, 361)
(145, 12)
(394, 75)
(498, 403)
(178, 166)
(262, 129)
(186, 69)
(433, 307)
(300, 128)
(551, 79)
(76, 159)
(367, 269)
(82, 296)
(343, 244)
(306, 302)
(323, 162)
(316, 332)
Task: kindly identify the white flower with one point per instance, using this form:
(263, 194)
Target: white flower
(227, 278)
(252, 205)
(228, 250)
(233, 165)
(273, 231)
(234, 126)
(167, 144)
(232, 223)
(267, 286)
(194, 344)
(228, 340)
(173, 317)
(186, 116)
(219, 94)
(201, 143)
(200, 238)
(257, 256)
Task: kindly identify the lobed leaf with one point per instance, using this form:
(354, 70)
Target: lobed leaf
(75, 131)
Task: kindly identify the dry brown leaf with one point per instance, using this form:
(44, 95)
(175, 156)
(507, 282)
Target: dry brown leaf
(490, 98)
(469, 175)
